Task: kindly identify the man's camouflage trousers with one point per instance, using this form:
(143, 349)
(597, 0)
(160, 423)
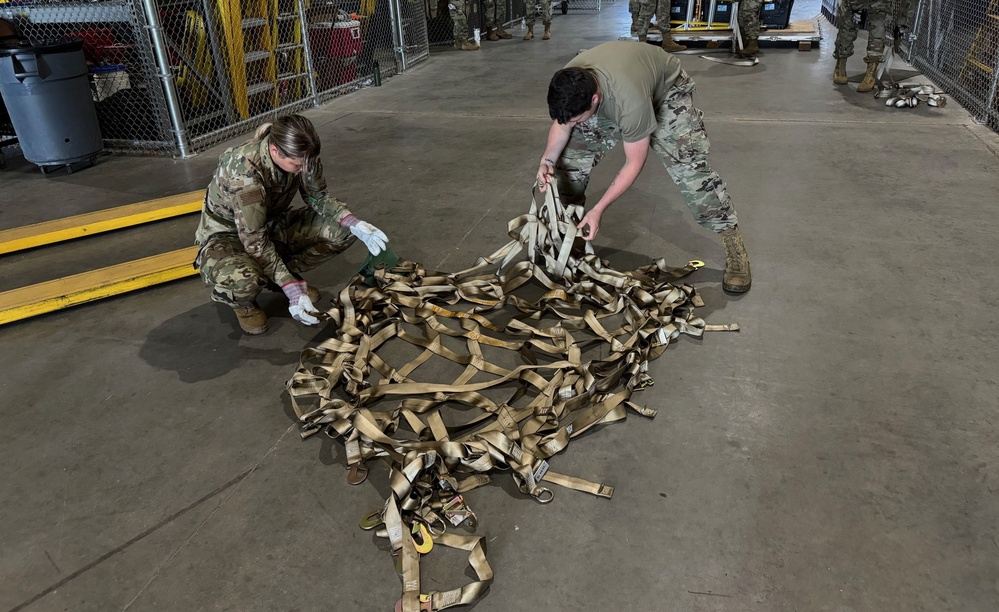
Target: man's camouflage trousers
(460, 11)
(877, 11)
(681, 144)
(302, 238)
(749, 18)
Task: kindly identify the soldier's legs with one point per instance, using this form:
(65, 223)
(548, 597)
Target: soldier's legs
(846, 27)
(305, 239)
(529, 12)
(646, 8)
(235, 277)
(456, 8)
(877, 11)
(546, 12)
(633, 9)
(682, 145)
(749, 19)
(589, 142)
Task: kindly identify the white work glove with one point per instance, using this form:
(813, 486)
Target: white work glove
(299, 304)
(372, 237)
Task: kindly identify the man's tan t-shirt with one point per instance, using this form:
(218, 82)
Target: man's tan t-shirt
(634, 79)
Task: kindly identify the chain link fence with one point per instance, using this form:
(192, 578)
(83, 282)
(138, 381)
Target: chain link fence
(173, 77)
(956, 43)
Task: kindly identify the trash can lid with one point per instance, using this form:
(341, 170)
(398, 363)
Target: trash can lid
(52, 45)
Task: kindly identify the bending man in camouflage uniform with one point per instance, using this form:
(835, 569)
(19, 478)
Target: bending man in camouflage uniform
(492, 22)
(603, 96)
(546, 18)
(459, 10)
(877, 10)
(643, 17)
(749, 26)
(251, 238)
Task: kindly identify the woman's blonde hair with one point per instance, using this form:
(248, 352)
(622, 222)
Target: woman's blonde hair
(293, 135)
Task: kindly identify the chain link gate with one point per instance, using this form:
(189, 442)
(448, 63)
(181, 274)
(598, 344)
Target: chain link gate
(956, 43)
(131, 107)
(173, 77)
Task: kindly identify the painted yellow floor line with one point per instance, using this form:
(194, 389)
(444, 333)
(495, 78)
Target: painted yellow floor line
(60, 293)
(50, 232)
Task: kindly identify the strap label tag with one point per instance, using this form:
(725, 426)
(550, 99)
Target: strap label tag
(541, 471)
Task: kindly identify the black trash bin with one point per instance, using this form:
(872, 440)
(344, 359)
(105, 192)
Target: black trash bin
(47, 93)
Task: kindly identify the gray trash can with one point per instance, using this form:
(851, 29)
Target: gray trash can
(47, 92)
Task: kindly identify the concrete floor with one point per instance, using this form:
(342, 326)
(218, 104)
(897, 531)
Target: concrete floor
(839, 453)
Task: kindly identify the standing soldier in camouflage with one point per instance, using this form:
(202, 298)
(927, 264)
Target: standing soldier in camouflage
(648, 8)
(877, 10)
(546, 18)
(493, 24)
(749, 26)
(603, 96)
(459, 10)
(251, 238)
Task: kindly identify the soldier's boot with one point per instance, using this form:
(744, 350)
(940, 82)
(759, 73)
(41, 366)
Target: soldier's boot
(641, 38)
(251, 319)
(466, 45)
(669, 44)
(867, 83)
(751, 47)
(737, 278)
(530, 33)
(548, 32)
(491, 34)
(839, 72)
(499, 31)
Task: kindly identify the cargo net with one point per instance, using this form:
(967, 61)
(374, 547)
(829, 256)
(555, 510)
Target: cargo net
(546, 349)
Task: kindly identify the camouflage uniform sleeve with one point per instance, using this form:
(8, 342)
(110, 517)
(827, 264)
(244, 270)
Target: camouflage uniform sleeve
(249, 206)
(316, 195)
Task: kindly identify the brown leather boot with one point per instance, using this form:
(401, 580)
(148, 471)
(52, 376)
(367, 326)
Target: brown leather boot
(251, 319)
(491, 34)
(499, 31)
(737, 278)
(839, 72)
(867, 84)
(466, 45)
(530, 33)
(669, 44)
(548, 32)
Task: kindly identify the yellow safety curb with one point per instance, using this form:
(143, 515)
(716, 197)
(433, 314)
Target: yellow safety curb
(50, 232)
(60, 293)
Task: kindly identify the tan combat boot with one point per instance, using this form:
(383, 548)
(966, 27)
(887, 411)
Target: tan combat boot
(491, 34)
(466, 45)
(839, 73)
(251, 319)
(499, 31)
(737, 278)
(751, 47)
(867, 84)
(669, 44)
(530, 33)
(548, 32)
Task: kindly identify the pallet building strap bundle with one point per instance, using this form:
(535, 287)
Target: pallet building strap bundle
(574, 337)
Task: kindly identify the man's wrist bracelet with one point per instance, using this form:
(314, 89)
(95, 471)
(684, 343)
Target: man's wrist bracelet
(550, 161)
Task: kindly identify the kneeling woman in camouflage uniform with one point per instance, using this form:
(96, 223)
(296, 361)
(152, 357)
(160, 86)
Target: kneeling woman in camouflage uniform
(639, 94)
(252, 238)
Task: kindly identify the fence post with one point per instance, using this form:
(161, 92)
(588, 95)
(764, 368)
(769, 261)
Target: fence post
(398, 33)
(166, 75)
(307, 48)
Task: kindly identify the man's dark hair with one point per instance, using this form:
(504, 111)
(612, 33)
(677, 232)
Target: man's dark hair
(570, 94)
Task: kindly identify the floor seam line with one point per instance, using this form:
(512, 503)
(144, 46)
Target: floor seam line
(197, 530)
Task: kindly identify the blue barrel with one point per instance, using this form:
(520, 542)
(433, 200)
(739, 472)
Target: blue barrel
(47, 93)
